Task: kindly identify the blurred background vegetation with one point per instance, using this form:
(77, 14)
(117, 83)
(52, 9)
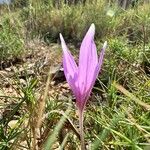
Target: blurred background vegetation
(117, 119)
(45, 19)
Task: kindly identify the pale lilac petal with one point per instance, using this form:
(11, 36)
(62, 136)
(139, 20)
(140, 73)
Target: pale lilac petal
(87, 60)
(100, 61)
(98, 67)
(95, 73)
(92, 64)
(70, 66)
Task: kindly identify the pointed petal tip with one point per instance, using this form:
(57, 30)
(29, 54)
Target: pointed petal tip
(92, 28)
(93, 25)
(105, 45)
(61, 37)
(63, 44)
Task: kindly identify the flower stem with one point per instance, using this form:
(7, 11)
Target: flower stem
(81, 129)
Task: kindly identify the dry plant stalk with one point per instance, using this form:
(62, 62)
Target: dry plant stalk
(131, 96)
(41, 103)
(38, 114)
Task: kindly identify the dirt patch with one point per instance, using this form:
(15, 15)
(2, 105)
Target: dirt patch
(36, 63)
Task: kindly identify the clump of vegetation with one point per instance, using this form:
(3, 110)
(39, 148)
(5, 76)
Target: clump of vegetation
(11, 39)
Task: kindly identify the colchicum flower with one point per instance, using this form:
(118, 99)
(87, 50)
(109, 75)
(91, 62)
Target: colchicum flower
(81, 77)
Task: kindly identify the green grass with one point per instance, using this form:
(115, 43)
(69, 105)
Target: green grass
(117, 114)
(11, 37)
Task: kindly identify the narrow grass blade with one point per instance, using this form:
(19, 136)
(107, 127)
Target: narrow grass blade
(52, 138)
(131, 96)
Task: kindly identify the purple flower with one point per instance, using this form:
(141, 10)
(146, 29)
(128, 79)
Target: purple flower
(81, 78)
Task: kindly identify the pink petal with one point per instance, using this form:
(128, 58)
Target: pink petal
(100, 61)
(81, 104)
(98, 67)
(87, 60)
(70, 66)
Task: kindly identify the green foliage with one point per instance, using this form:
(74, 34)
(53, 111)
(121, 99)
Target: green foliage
(19, 3)
(73, 20)
(11, 41)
